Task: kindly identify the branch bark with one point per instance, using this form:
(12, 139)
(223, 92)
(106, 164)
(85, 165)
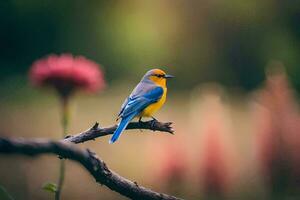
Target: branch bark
(97, 168)
(96, 131)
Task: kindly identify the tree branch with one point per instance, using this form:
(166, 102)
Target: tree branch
(97, 168)
(95, 131)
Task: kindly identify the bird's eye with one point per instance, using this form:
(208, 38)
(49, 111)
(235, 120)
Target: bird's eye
(159, 75)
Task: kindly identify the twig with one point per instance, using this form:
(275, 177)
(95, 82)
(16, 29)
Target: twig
(96, 131)
(97, 168)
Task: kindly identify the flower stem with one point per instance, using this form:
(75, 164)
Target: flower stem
(60, 180)
(65, 123)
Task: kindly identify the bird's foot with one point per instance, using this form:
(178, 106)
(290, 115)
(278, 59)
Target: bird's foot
(153, 122)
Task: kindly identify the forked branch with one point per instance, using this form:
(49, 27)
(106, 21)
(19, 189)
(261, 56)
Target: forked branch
(97, 168)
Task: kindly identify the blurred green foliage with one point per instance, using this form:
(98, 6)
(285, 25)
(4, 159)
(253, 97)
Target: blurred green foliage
(230, 42)
(4, 195)
(50, 187)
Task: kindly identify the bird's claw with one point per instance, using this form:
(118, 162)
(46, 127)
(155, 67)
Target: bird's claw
(153, 122)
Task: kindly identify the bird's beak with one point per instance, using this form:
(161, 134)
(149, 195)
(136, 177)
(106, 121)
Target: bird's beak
(169, 76)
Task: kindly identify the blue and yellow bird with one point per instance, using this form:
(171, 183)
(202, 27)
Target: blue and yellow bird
(146, 98)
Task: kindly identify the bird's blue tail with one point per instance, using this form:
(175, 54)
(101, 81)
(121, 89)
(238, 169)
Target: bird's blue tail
(121, 127)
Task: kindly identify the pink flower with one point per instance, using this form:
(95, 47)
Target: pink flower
(278, 128)
(215, 167)
(169, 165)
(67, 73)
(173, 163)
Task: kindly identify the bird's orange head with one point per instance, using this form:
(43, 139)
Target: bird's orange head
(157, 76)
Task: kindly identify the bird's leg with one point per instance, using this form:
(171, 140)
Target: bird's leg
(140, 121)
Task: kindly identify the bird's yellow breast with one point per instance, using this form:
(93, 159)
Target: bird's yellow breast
(152, 108)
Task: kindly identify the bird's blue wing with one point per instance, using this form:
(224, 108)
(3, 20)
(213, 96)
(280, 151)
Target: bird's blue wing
(137, 103)
(138, 91)
(123, 107)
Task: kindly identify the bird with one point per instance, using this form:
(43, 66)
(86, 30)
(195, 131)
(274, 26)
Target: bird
(146, 98)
